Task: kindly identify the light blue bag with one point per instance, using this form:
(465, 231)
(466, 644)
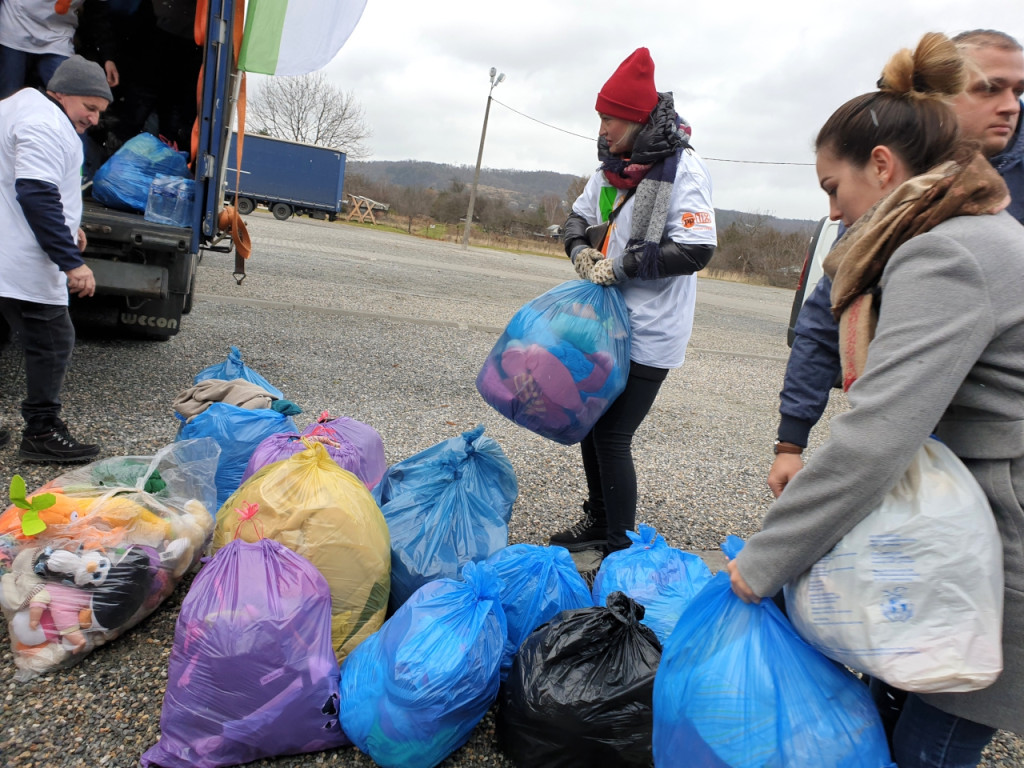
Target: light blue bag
(234, 368)
(661, 578)
(123, 181)
(538, 584)
(561, 362)
(412, 693)
(237, 431)
(445, 506)
(738, 688)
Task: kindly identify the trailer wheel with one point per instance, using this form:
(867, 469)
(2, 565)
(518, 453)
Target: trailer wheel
(281, 211)
(245, 206)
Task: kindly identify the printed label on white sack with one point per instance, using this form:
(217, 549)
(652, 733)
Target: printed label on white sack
(913, 593)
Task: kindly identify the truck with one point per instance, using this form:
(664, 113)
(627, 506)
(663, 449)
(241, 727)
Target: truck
(287, 177)
(146, 272)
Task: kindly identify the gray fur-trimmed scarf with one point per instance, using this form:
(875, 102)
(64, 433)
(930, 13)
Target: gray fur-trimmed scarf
(651, 170)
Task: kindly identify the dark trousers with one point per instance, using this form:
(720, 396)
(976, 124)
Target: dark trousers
(48, 338)
(18, 67)
(921, 736)
(608, 453)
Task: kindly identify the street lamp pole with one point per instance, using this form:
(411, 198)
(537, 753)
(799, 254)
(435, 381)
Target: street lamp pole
(495, 80)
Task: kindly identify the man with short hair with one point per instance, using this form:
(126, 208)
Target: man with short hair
(989, 112)
(40, 252)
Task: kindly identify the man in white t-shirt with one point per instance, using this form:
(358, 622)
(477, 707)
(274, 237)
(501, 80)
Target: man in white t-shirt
(40, 251)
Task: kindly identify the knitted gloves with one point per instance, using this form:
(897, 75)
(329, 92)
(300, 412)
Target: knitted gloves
(591, 265)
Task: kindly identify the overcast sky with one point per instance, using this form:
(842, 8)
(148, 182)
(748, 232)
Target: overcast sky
(755, 80)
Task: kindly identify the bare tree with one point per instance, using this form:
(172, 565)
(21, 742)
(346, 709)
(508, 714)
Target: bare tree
(309, 109)
(414, 201)
(576, 189)
(554, 213)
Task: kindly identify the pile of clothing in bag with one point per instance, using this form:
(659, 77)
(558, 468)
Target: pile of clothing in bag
(562, 360)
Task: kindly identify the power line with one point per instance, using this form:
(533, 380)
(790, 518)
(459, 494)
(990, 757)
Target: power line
(549, 125)
(592, 139)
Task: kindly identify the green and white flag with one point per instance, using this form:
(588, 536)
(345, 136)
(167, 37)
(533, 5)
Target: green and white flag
(293, 37)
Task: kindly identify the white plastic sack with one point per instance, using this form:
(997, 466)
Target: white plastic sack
(913, 595)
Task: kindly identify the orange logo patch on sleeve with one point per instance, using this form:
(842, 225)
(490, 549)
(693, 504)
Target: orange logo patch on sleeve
(691, 220)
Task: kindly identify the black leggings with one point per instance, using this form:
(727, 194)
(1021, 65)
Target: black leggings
(608, 455)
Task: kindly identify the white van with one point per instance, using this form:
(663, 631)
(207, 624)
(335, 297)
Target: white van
(821, 243)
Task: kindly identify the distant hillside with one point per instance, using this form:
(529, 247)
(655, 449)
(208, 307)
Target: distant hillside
(524, 188)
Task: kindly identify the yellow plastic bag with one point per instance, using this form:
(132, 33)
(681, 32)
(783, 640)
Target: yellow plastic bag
(326, 514)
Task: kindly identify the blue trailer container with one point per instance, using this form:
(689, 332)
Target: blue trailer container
(287, 177)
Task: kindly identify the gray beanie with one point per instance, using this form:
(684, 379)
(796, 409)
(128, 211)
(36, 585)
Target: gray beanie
(78, 76)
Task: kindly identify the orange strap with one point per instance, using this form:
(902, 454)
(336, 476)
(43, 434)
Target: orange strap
(229, 220)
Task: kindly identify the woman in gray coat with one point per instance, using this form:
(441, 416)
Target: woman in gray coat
(931, 273)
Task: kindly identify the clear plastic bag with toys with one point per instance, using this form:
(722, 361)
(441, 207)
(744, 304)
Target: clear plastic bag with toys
(97, 549)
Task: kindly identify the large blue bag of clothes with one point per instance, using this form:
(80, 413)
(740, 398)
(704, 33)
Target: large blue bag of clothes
(412, 693)
(252, 673)
(580, 690)
(661, 578)
(445, 506)
(233, 367)
(562, 360)
(237, 431)
(123, 181)
(538, 583)
(738, 688)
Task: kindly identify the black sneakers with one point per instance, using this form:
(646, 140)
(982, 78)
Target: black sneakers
(588, 533)
(58, 446)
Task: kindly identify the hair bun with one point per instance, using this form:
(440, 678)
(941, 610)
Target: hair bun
(934, 69)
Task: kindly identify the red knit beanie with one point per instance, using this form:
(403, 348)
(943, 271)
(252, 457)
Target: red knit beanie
(630, 94)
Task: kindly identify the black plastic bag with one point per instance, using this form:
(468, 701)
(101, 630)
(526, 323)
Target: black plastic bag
(581, 689)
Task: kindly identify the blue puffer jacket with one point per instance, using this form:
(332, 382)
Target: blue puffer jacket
(1010, 164)
(813, 365)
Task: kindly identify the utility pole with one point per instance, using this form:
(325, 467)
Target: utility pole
(479, 158)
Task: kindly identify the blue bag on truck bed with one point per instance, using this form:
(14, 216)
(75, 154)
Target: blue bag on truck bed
(123, 181)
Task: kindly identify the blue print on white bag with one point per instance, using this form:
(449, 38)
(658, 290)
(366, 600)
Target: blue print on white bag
(897, 607)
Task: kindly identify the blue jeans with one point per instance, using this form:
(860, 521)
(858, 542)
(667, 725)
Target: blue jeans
(48, 338)
(921, 736)
(608, 455)
(16, 66)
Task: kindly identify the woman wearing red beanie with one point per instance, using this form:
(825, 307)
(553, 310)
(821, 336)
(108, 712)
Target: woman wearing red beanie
(645, 221)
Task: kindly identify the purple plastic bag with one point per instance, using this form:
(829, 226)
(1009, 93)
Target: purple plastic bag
(353, 445)
(252, 673)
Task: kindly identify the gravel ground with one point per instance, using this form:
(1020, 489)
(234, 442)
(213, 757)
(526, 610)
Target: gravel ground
(391, 331)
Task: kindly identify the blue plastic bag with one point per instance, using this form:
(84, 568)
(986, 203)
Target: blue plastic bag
(412, 693)
(233, 368)
(237, 431)
(562, 360)
(738, 688)
(580, 691)
(123, 181)
(445, 506)
(252, 673)
(538, 584)
(661, 578)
